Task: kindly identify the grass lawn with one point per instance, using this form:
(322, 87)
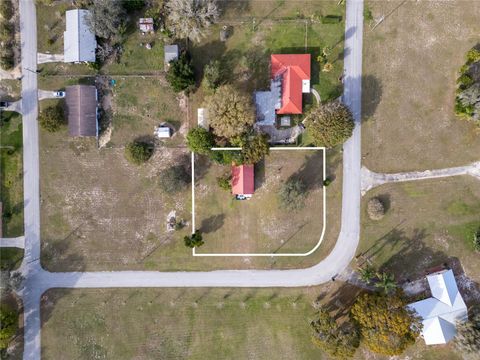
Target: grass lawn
(427, 223)
(50, 26)
(15, 348)
(409, 86)
(178, 324)
(140, 104)
(11, 176)
(261, 224)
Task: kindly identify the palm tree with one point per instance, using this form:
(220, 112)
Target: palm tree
(195, 240)
(386, 282)
(367, 273)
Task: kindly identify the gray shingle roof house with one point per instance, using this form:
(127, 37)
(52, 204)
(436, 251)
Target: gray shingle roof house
(82, 110)
(79, 42)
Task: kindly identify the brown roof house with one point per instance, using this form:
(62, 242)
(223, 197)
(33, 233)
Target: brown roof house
(82, 110)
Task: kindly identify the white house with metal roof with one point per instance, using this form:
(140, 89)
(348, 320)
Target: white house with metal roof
(443, 310)
(79, 42)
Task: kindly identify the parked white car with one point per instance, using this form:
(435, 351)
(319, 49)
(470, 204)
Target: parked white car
(59, 94)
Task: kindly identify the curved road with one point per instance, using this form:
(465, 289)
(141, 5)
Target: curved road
(37, 280)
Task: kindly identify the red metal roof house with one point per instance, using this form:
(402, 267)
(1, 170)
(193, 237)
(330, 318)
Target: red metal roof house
(294, 71)
(243, 180)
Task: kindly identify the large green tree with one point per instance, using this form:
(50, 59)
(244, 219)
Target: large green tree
(200, 140)
(180, 74)
(190, 19)
(194, 240)
(107, 18)
(386, 326)
(254, 147)
(230, 113)
(330, 124)
(337, 341)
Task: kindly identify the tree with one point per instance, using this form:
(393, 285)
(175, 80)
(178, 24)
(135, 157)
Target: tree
(254, 148)
(337, 341)
(180, 75)
(230, 113)
(138, 151)
(330, 124)
(194, 240)
(375, 209)
(191, 18)
(292, 194)
(133, 5)
(468, 335)
(106, 18)
(386, 282)
(200, 141)
(225, 182)
(367, 273)
(386, 326)
(8, 325)
(52, 118)
(213, 75)
(174, 179)
(476, 240)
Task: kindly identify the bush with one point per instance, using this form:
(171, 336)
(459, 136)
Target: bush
(375, 209)
(327, 181)
(212, 74)
(8, 325)
(463, 110)
(133, 5)
(200, 141)
(225, 182)
(138, 152)
(174, 179)
(476, 240)
(227, 157)
(473, 55)
(195, 240)
(52, 118)
(292, 194)
(465, 81)
(180, 75)
(331, 19)
(6, 9)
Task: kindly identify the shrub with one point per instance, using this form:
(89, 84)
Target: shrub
(331, 19)
(180, 75)
(212, 74)
(138, 152)
(367, 13)
(473, 55)
(227, 157)
(52, 118)
(327, 181)
(254, 147)
(8, 325)
(375, 209)
(194, 240)
(225, 182)
(476, 240)
(465, 81)
(292, 194)
(174, 179)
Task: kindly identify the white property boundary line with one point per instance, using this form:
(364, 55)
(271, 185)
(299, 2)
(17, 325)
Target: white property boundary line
(265, 254)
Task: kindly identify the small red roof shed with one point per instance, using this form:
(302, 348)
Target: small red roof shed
(243, 180)
(295, 72)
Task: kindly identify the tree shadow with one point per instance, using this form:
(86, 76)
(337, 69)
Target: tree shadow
(202, 165)
(310, 173)
(202, 54)
(385, 200)
(371, 95)
(212, 223)
(239, 7)
(259, 174)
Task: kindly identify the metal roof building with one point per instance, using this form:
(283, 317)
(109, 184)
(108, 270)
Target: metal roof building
(82, 110)
(171, 53)
(443, 310)
(79, 42)
(243, 179)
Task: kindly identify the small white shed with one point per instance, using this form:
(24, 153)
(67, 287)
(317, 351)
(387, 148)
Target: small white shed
(171, 54)
(202, 119)
(162, 132)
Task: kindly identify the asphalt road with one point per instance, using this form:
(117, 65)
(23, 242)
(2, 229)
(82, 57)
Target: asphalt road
(37, 280)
